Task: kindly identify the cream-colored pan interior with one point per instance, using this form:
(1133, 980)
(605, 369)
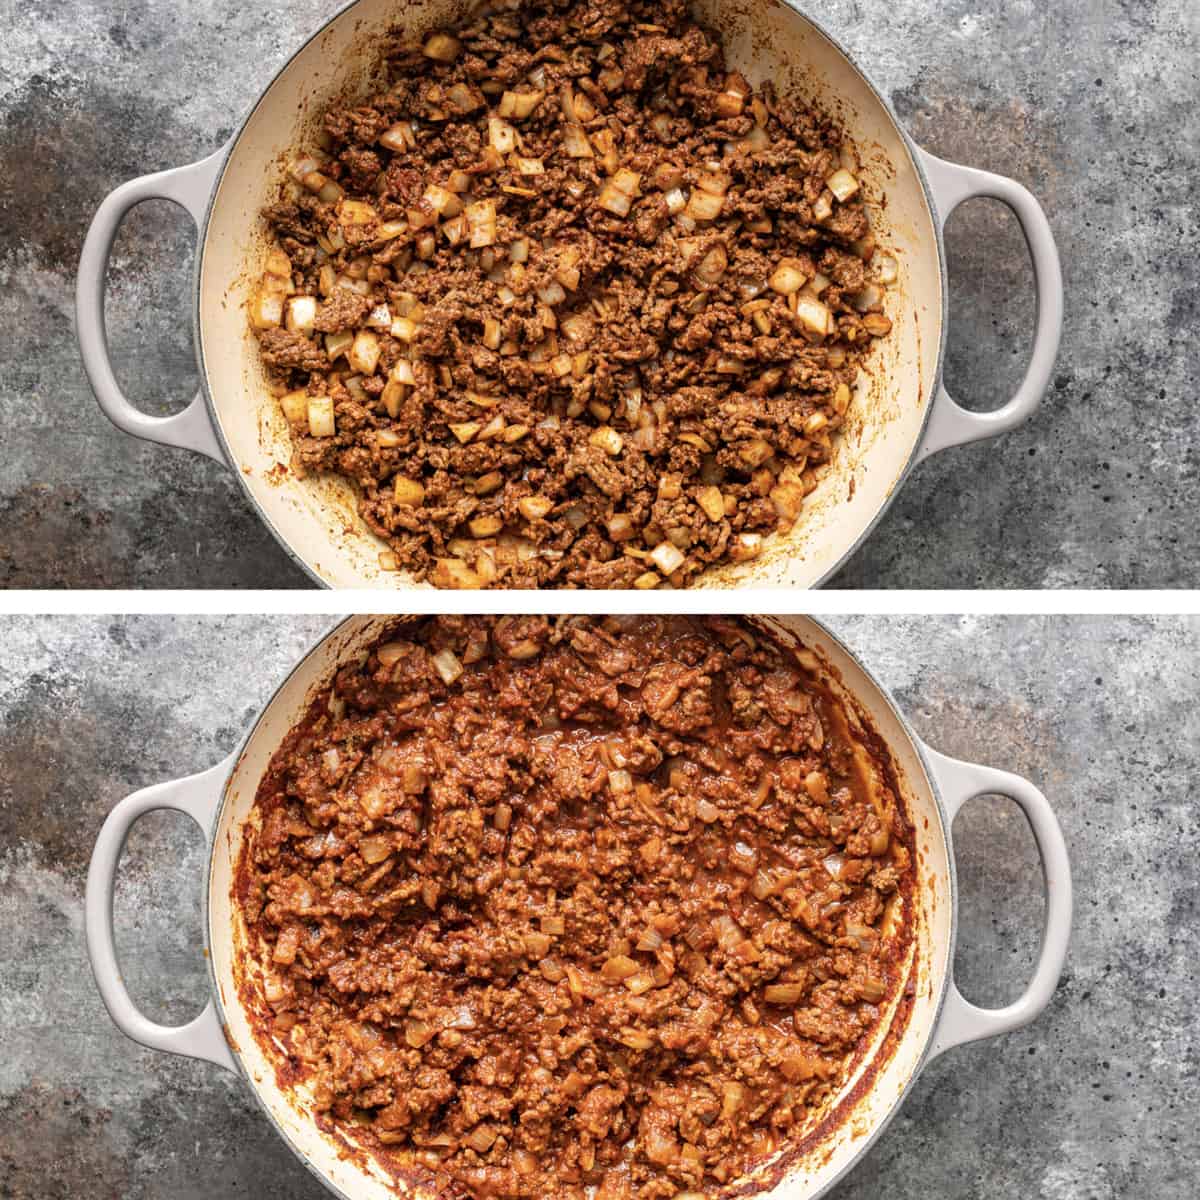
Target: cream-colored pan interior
(858, 1118)
(765, 39)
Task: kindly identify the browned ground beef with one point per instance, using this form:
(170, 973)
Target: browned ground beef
(604, 379)
(595, 389)
(603, 903)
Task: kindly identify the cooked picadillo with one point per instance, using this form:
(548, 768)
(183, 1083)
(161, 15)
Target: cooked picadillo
(550, 909)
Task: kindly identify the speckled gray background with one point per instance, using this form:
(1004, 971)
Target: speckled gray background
(1091, 103)
(1095, 1101)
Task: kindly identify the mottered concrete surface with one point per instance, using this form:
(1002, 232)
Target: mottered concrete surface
(1090, 103)
(1094, 1101)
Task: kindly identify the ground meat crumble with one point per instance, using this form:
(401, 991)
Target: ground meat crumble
(584, 906)
(571, 303)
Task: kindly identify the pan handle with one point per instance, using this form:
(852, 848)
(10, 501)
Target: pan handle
(950, 424)
(190, 188)
(961, 1021)
(199, 796)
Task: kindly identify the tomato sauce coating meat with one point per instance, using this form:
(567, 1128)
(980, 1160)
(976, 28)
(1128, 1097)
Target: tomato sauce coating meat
(570, 302)
(544, 905)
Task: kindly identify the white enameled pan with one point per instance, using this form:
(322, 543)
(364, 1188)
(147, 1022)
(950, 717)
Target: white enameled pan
(901, 415)
(934, 788)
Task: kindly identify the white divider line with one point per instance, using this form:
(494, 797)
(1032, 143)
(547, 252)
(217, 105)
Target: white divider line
(744, 600)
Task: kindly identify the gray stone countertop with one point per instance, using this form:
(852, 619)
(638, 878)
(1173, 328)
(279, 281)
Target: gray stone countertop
(1097, 1099)
(1091, 103)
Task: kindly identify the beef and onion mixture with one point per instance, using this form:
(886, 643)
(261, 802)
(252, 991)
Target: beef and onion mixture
(590, 907)
(570, 302)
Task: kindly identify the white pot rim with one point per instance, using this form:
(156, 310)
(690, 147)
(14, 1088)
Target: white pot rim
(929, 780)
(915, 455)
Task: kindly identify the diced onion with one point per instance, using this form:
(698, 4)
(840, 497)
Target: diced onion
(871, 989)
(842, 184)
(728, 104)
(715, 181)
(640, 983)
(743, 858)
(447, 665)
(864, 935)
(576, 143)
(789, 276)
(380, 317)
(363, 355)
(301, 313)
(607, 439)
(519, 105)
(618, 968)
(481, 221)
(618, 192)
(402, 372)
(726, 931)
(787, 497)
(533, 508)
(302, 168)
(465, 430)
(393, 397)
(320, 416)
(714, 264)
(704, 206)
(712, 502)
(441, 47)
(399, 137)
(267, 311)
(462, 98)
(668, 558)
(375, 849)
(391, 653)
(620, 527)
(501, 135)
(480, 1138)
(813, 315)
(417, 1033)
(443, 201)
(295, 406)
(482, 527)
(357, 212)
(745, 547)
(537, 945)
(407, 492)
(754, 141)
(871, 297)
(733, 1096)
(404, 329)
